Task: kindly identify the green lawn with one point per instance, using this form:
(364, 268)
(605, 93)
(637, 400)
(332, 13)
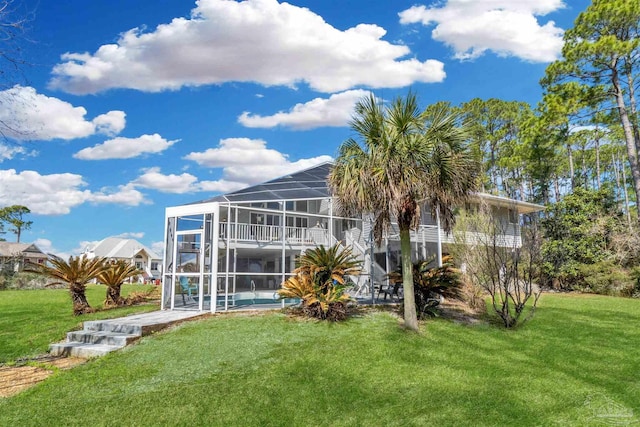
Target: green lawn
(31, 320)
(577, 359)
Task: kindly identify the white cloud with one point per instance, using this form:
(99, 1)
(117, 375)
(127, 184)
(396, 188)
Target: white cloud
(238, 152)
(27, 115)
(336, 111)
(260, 41)
(47, 247)
(125, 148)
(247, 161)
(243, 161)
(154, 179)
(111, 123)
(57, 194)
(123, 195)
(506, 27)
(85, 245)
(131, 235)
(8, 152)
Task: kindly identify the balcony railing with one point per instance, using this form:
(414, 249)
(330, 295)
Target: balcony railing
(273, 234)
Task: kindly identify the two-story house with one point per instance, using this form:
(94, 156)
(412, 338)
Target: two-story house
(238, 248)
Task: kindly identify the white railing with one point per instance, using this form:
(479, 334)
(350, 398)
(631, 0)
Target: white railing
(273, 233)
(429, 233)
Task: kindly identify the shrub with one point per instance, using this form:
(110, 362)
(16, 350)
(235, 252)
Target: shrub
(605, 278)
(319, 282)
(474, 296)
(507, 271)
(430, 284)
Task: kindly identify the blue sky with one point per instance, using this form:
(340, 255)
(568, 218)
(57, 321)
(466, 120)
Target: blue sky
(132, 106)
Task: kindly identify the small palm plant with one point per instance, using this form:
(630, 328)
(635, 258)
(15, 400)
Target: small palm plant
(113, 277)
(75, 273)
(319, 282)
(431, 283)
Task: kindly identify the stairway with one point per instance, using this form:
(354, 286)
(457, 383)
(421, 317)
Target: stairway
(100, 337)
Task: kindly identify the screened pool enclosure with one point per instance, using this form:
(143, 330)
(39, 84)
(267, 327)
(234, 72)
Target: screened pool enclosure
(235, 250)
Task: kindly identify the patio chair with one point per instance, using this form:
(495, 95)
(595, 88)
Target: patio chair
(187, 288)
(392, 290)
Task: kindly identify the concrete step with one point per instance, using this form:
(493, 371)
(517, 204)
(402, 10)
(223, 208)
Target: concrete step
(101, 337)
(111, 326)
(78, 349)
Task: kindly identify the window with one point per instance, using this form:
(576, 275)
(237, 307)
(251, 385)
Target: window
(297, 221)
(154, 265)
(297, 205)
(513, 216)
(264, 219)
(139, 265)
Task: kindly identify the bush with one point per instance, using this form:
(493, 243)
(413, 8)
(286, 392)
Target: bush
(474, 296)
(23, 280)
(430, 284)
(329, 303)
(320, 282)
(604, 278)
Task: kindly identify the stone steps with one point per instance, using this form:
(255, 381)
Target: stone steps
(100, 337)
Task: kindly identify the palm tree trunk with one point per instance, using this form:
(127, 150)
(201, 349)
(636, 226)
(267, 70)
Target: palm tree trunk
(79, 299)
(113, 297)
(410, 315)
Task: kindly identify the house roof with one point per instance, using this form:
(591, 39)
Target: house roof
(117, 247)
(312, 184)
(306, 184)
(8, 249)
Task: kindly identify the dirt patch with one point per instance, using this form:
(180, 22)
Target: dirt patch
(460, 312)
(14, 379)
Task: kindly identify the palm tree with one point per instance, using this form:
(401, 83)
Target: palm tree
(326, 266)
(407, 157)
(75, 273)
(113, 277)
(319, 281)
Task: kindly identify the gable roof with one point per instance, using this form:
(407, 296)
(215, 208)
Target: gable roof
(8, 249)
(306, 184)
(117, 247)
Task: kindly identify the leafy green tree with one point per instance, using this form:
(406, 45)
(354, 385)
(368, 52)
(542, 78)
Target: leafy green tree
(600, 66)
(113, 277)
(495, 128)
(578, 231)
(407, 157)
(75, 273)
(14, 216)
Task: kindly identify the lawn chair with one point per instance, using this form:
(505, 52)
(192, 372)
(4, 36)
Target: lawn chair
(187, 288)
(392, 290)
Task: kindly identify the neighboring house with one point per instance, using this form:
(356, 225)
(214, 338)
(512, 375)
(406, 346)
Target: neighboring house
(240, 246)
(116, 248)
(14, 256)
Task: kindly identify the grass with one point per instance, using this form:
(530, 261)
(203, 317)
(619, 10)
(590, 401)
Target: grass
(30, 320)
(576, 360)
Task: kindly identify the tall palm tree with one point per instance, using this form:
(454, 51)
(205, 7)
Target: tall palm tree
(407, 157)
(113, 277)
(75, 273)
